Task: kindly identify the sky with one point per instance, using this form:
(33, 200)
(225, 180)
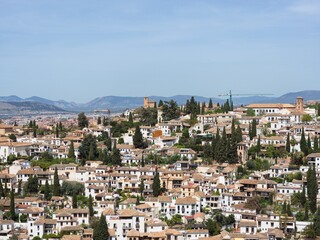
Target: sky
(78, 50)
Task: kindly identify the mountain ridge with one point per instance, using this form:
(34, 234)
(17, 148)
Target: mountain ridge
(120, 103)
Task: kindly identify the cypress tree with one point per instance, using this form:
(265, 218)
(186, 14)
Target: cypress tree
(217, 145)
(316, 223)
(289, 212)
(284, 208)
(142, 161)
(160, 104)
(5, 187)
(210, 104)
(213, 146)
(12, 207)
(315, 144)
(137, 138)
(222, 154)
(198, 108)
(232, 151)
(47, 195)
(312, 189)
(91, 153)
(130, 118)
(156, 185)
(19, 187)
(250, 131)
(141, 187)
(306, 212)
(90, 206)
(99, 120)
(100, 232)
(303, 196)
(288, 143)
(239, 134)
(57, 130)
(71, 151)
(74, 200)
(258, 145)
(56, 184)
(1, 191)
(303, 143)
(309, 144)
(203, 107)
(254, 128)
(116, 157)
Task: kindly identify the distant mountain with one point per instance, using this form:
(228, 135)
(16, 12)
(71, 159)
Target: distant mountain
(20, 108)
(119, 103)
(11, 98)
(291, 97)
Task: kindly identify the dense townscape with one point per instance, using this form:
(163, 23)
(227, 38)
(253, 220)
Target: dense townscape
(162, 171)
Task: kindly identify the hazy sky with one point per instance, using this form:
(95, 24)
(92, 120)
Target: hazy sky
(78, 49)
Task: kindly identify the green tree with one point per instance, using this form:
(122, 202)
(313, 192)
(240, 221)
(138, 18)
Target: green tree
(13, 214)
(47, 192)
(160, 104)
(315, 144)
(303, 143)
(116, 157)
(250, 112)
(316, 222)
(19, 187)
(90, 206)
(130, 119)
(100, 232)
(232, 150)
(306, 211)
(239, 134)
(258, 145)
(306, 118)
(71, 151)
(312, 189)
(88, 144)
(141, 187)
(82, 120)
(156, 185)
(303, 199)
(32, 185)
(148, 116)
(222, 147)
(284, 208)
(74, 201)
(137, 138)
(56, 183)
(170, 110)
(12, 137)
(210, 105)
(99, 120)
(309, 144)
(253, 129)
(2, 195)
(288, 146)
(57, 130)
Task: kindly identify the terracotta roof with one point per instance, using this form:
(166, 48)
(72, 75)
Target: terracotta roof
(130, 213)
(247, 223)
(133, 233)
(186, 201)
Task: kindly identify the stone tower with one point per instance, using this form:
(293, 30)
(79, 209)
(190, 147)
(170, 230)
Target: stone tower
(146, 102)
(299, 104)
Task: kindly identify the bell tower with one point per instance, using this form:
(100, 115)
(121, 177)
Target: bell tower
(299, 104)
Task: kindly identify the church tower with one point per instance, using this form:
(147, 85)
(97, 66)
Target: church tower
(299, 104)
